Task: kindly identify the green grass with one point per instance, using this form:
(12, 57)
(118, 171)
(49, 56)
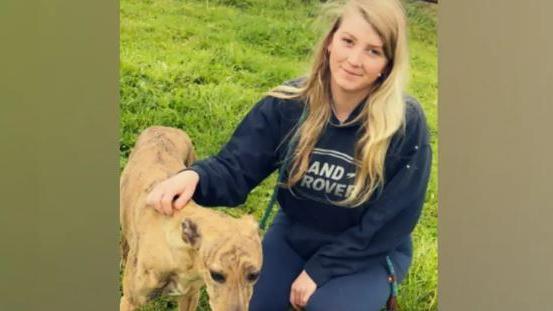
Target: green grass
(201, 65)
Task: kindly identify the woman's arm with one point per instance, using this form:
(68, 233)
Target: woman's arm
(249, 157)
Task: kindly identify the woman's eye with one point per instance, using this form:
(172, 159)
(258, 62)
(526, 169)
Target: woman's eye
(373, 52)
(347, 41)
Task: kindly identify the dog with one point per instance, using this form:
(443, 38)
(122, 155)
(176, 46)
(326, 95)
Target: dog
(177, 255)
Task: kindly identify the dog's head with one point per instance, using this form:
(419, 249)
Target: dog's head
(230, 258)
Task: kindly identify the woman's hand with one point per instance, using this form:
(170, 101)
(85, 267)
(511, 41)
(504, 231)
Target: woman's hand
(302, 289)
(182, 185)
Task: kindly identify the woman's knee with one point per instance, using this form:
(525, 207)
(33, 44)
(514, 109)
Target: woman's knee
(263, 299)
(366, 291)
(268, 303)
(332, 303)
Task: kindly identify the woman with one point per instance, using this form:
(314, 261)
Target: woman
(356, 158)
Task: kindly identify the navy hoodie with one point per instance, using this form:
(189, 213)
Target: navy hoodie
(334, 240)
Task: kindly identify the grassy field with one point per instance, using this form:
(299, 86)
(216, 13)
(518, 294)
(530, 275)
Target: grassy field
(201, 65)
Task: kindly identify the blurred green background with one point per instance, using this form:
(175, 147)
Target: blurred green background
(201, 65)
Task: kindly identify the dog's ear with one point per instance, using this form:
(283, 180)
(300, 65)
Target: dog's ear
(190, 232)
(252, 224)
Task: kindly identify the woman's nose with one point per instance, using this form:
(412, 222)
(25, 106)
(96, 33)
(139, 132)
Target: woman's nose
(354, 57)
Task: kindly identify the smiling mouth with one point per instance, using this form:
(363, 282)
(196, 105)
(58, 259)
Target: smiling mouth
(351, 73)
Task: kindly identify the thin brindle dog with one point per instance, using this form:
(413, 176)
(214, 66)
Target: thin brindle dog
(177, 255)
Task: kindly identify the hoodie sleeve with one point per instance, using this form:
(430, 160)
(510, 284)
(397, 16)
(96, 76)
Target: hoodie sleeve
(247, 158)
(389, 218)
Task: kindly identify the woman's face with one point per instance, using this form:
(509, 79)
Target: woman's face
(356, 55)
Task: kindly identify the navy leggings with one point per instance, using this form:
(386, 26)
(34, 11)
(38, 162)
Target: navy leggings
(367, 290)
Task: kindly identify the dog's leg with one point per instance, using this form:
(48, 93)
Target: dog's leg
(189, 302)
(125, 305)
(128, 283)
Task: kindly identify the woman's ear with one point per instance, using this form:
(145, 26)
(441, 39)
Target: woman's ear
(387, 70)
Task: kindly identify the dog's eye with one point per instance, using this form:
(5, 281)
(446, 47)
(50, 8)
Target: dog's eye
(217, 277)
(252, 277)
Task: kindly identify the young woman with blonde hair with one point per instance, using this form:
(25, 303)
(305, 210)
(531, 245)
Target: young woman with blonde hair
(354, 155)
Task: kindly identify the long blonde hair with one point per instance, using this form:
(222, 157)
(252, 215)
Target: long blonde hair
(383, 113)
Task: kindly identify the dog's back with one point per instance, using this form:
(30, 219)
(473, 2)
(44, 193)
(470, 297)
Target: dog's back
(159, 152)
